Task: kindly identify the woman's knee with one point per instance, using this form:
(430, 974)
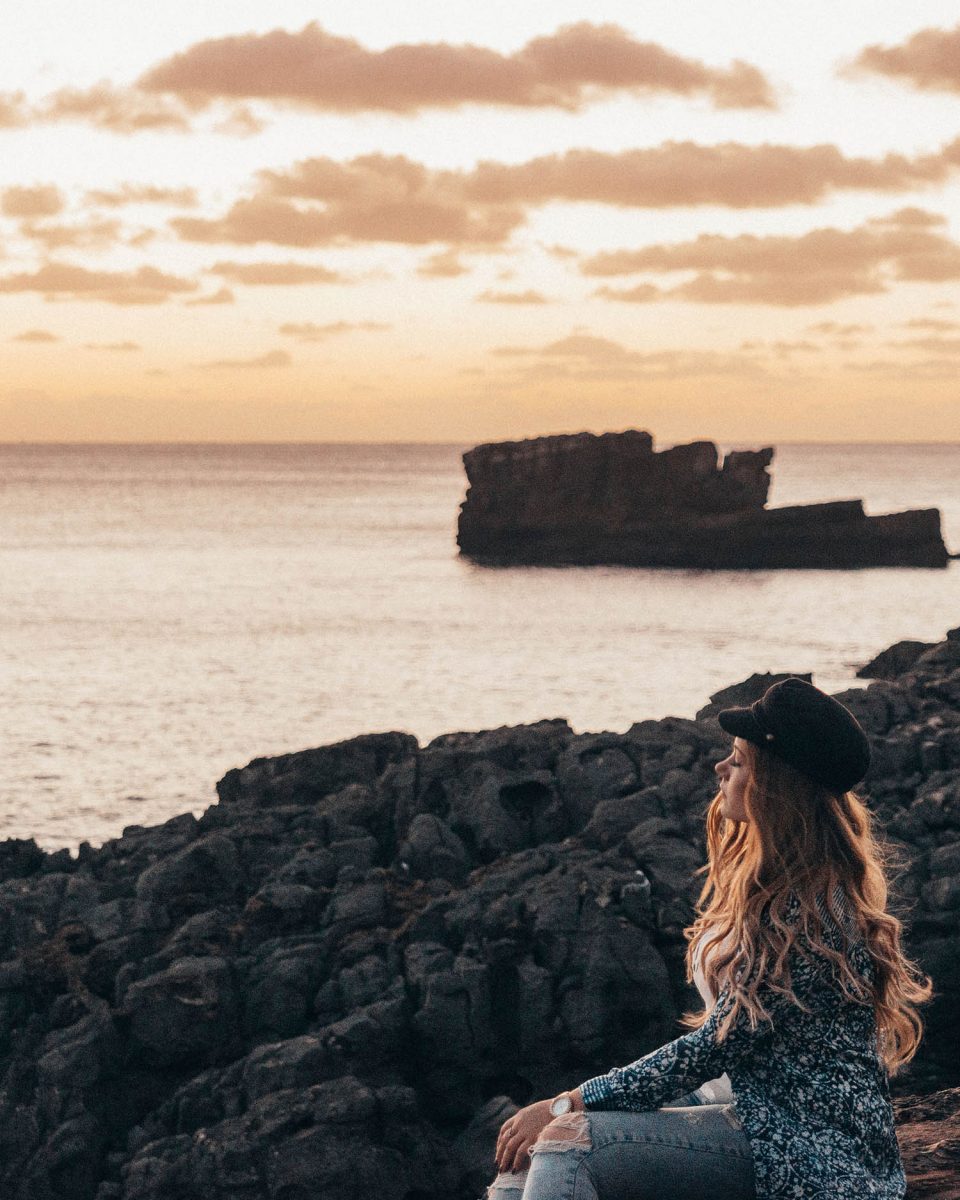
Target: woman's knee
(508, 1185)
(569, 1131)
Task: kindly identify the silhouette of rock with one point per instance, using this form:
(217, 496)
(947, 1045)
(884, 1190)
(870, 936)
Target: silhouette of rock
(587, 499)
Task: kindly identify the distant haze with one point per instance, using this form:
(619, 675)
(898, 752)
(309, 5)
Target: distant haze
(449, 221)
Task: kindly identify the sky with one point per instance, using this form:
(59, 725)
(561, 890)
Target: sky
(432, 220)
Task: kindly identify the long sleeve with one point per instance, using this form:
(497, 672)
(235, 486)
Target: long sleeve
(680, 1066)
(691, 1060)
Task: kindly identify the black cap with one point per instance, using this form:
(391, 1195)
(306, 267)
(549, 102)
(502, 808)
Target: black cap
(806, 728)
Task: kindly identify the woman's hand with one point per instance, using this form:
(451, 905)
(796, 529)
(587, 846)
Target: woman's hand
(518, 1133)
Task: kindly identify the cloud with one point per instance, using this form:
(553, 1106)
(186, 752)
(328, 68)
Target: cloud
(117, 109)
(392, 198)
(577, 345)
(584, 356)
(527, 297)
(782, 349)
(642, 293)
(813, 268)
(374, 197)
(567, 69)
(41, 200)
(840, 330)
(273, 358)
(14, 111)
(35, 335)
(931, 323)
(122, 346)
(929, 60)
(241, 121)
(143, 193)
(93, 233)
(221, 296)
(276, 273)
(687, 173)
(307, 331)
(444, 265)
(933, 345)
(55, 280)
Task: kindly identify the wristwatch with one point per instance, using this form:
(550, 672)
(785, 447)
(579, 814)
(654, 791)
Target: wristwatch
(561, 1104)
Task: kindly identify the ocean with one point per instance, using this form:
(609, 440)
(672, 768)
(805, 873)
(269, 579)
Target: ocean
(170, 612)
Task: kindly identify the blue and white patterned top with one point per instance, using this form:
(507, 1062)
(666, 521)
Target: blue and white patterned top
(810, 1090)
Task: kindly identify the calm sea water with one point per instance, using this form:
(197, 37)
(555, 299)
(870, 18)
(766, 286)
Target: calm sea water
(170, 612)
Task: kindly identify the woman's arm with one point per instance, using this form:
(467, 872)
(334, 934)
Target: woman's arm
(690, 1060)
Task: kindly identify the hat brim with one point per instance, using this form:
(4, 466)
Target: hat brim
(741, 723)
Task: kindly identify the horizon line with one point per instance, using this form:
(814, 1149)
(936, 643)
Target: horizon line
(24, 444)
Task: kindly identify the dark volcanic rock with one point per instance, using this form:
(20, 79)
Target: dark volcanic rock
(343, 976)
(893, 661)
(587, 499)
(928, 1128)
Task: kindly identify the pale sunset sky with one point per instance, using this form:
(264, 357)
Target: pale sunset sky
(433, 220)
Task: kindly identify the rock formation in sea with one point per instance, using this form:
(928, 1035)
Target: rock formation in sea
(342, 977)
(587, 499)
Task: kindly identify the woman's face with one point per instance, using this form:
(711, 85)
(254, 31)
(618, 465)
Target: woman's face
(732, 773)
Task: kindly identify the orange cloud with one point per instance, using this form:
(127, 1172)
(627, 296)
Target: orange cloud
(931, 323)
(835, 327)
(273, 358)
(119, 110)
(376, 197)
(443, 265)
(782, 349)
(35, 335)
(929, 60)
(814, 268)
(582, 356)
(527, 297)
(643, 293)
(686, 173)
(371, 198)
(221, 296)
(144, 193)
(123, 346)
(567, 69)
(933, 345)
(42, 200)
(13, 110)
(307, 331)
(54, 280)
(90, 234)
(278, 273)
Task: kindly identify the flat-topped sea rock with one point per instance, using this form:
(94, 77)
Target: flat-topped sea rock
(589, 499)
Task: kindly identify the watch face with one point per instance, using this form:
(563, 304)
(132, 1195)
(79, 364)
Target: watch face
(561, 1105)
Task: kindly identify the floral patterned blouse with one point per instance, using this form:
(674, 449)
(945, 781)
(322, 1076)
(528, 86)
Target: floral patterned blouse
(810, 1089)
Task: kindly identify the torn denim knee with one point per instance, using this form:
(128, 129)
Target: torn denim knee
(568, 1132)
(508, 1185)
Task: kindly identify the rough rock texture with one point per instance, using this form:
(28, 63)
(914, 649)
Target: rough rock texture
(610, 498)
(345, 974)
(928, 1128)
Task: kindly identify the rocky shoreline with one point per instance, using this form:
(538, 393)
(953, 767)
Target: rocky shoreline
(341, 978)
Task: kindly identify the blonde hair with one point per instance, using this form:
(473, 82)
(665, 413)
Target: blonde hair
(801, 841)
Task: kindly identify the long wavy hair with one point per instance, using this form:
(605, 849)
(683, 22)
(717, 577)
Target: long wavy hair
(801, 842)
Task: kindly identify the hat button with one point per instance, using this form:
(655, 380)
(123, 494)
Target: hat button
(769, 737)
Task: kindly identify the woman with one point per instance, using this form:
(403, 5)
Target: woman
(815, 1002)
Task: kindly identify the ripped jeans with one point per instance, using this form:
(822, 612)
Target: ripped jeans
(686, 1150)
